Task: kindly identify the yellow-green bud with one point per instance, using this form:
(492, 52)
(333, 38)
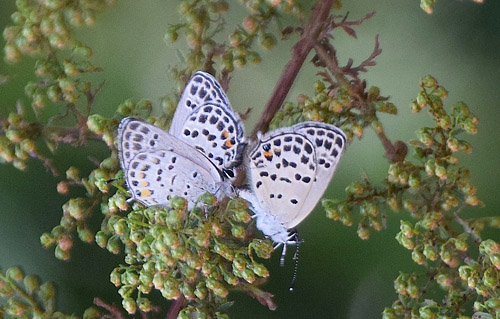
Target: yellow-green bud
(201, 291)
(15, 273)
(267, 41)
(113, 245)
(363, 232)
(129, 305)
(61, 254)
(428, 81)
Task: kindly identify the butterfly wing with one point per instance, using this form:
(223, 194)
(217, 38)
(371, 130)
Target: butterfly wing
(157, 165)
(282, 171)
(204, 119)
(329, 143)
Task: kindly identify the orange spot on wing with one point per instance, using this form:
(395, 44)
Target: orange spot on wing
(145, 192)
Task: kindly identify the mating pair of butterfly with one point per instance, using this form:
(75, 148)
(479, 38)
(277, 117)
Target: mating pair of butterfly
(289, 168)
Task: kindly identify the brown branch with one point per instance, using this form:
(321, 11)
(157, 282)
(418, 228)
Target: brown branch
(113, 310)
(300, 50)
(67, 135)
(176, 307)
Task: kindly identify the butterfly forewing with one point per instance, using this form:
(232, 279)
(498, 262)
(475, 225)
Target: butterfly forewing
(202, 88)
(205, 120)
(283, 169)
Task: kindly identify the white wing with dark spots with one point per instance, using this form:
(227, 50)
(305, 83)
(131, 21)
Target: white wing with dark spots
(158, 166)
(205, 120)
(289, 170)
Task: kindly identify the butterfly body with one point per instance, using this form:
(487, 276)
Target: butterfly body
(289, 170)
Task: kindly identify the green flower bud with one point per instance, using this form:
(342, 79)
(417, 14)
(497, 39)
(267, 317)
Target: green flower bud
(418, 256)
(414, 181)
(410, 205)
(171, 34)
(260, 270)
(405, 241)
(429, 82)
(263, 248)
(47, 292)
(217, 287)
(489, 247)
(91, 313)
(144, 304)
(430, 167)
(248, 275)
(15, 273)
(421, 99)
(240, 61)
(441, 172)
(115, 277)
(426, 313)
(394, 204)
(363, 232)
(495, 260)
(61, 254)
(389, 313)
(224, 251)
(425, 137)
(96, 123)
(355, 188)
(129, 305)
(238, 231)
(406, 229)
(201, 291)
(113, 245)
(267, 41)
(253, 57)
(441, 92)
(491, 277)
(444, 122)
(250, 24)
(187, 291)
(178, 203)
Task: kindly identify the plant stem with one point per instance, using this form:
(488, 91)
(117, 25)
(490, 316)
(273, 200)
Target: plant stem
(300, 50)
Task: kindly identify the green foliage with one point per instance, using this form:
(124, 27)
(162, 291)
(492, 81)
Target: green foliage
(197, 257)
(26, 297)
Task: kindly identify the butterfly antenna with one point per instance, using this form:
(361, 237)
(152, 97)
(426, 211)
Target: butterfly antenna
(296, 258)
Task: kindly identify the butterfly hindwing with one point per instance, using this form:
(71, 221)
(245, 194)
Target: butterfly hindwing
(283, 168)
(289, 170)
(158, 165)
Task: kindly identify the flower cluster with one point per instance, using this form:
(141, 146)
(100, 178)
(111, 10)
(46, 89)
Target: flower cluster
(42, 29)
(337, 104)
(204, 19)
(198, 254)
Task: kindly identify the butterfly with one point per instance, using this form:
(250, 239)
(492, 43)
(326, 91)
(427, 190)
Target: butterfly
(289, 170)
(198, 155)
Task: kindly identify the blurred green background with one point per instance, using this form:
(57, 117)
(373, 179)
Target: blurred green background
(340, 276)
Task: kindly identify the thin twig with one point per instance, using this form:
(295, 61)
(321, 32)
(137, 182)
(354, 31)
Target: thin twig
(301, 49)
(114, 311)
